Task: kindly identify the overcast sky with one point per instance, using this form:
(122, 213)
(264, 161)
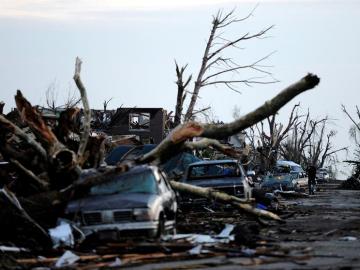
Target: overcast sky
(128, 49)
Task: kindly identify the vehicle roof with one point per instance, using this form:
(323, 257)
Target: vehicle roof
(140, 168)
(212, 162)
(287, 163)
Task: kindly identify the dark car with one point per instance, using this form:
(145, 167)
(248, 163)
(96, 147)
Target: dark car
(223, 175)
(285, 182)
(322, 175)
(139, 202)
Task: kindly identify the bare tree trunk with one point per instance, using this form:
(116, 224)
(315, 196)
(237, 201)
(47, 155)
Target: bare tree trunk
(181, 94)
(201, 73)
(87, 113)
(213, 58)
(2, 104)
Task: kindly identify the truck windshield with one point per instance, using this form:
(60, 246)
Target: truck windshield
(297, 169)
(142, 182)
(214, 171)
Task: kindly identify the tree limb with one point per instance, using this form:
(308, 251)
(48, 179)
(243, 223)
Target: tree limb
(179, 135)
(87, 112)
(224, 198)
(38, 182)
(13, 129)
(270, 107)
(215, 144)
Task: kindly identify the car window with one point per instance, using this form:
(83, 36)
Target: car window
(214, 170)
(142, 182)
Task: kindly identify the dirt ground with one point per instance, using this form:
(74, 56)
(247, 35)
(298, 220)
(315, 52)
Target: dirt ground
(323, 233)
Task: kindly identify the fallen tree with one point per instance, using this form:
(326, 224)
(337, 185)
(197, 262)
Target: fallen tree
(222, 197)
(176, 140)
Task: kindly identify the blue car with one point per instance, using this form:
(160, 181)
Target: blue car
(283, 182)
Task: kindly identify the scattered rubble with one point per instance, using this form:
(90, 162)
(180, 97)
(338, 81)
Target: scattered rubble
(351, 183)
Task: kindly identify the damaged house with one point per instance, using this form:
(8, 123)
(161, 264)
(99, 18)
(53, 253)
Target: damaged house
(146, 123)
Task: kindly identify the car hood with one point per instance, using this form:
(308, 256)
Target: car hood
(110, 202)
(272, 182)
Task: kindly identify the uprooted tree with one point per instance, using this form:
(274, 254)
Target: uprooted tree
(217, 69)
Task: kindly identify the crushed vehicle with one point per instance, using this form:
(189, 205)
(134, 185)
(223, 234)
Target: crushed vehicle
(322, 175)
(223, 175)
(297, 172)
(284, 182)
(137, 203)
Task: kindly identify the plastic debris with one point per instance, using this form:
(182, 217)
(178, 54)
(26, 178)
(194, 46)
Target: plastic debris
(116, 263)
(223, 237)
(68, 258)
(196, 250)
(62, 235)
(261, 206)
(225, 233)
(248, 252)
(12, 249)
(348, 238)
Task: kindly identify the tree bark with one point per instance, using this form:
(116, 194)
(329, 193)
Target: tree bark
(87, 113)
(213, 194)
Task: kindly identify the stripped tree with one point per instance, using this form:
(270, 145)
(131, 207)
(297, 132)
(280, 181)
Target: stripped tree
(181, 92)
(354, 133)
(217, 69)
(310, 143)
(272, 137)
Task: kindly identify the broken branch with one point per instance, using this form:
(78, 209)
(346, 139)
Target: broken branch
(175, 140)
(87, 112)
(13, 129)
(223, 197)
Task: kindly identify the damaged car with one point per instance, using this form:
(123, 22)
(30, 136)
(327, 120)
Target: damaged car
(137, 203)
(223, 175)
(284, 182)
(322, 175)
(297, 172)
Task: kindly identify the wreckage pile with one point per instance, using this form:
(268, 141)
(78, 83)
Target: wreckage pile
(46, 163)
(351, 183)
